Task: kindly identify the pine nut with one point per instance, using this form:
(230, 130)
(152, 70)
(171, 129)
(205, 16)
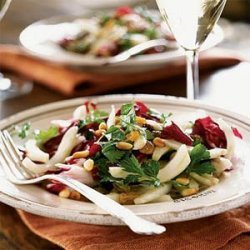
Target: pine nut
(88, 164)
(188, 191)
(183, 181)
(65, 193)
(127, 198)
(124, 145)
(159, 142)
(81, 154)
(103, 126)
(133, 136)
(117, 121)
(148, 149)
(99, 132)
(140, 120)
(74, 195)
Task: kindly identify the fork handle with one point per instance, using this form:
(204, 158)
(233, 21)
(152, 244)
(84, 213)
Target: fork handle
(135, 223)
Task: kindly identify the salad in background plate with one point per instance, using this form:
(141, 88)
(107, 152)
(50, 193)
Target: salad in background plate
(134, 154)
(111, 33)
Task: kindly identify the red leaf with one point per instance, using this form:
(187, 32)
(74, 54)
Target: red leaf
(55, 188)
(210, 133)
(237, 133)
(89, 106)
(122, 11)
(94, 149)
(141, 109)
(173, 132)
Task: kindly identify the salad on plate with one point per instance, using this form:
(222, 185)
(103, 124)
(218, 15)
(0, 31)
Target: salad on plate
(134, 154)
(114, 32)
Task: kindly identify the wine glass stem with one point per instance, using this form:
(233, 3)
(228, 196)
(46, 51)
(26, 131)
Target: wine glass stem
(192, 74)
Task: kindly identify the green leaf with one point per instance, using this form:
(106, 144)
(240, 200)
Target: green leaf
(199, 153)
(143, 174)
(116, 133)
(151, 168)
(151, 33)
(200, 161)
(126, 108)
(23, 130)
(203, 168)
(131, 165)
(44, 135)
(112, 153)
(149, 135)
(131, 179)
(128, 116)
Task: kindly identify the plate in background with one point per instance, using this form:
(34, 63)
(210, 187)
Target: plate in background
(40, 39)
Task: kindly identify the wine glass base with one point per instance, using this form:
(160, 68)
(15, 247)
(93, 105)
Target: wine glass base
(11, 86)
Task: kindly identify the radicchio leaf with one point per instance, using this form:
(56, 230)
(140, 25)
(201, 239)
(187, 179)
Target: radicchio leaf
(173, 132)
(210, 132)
(237, 133)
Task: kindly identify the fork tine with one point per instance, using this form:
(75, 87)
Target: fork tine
(17, 154)
(5, 162)
(11, 151)
(12, 144)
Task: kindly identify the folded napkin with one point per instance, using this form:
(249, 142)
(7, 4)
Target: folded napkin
(230, 230)
(72, 82)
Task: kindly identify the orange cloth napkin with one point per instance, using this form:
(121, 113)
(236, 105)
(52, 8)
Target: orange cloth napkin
(230, 230)
(71, 82)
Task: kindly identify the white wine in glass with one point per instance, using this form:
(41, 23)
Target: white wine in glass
(191, 21)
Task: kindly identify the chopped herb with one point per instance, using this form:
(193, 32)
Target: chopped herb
(104, 19)
(111, 152)
(164, 118)
(116, 133)
(97, 116)
(126, 108)
(200, 161)
(131, 165)
(149, 135)
(151, 168)
(23, 130)
(131, 179)
(151, 33)
(145, 173)
(128, 116)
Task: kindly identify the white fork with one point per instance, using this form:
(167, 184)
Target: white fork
(10, 158)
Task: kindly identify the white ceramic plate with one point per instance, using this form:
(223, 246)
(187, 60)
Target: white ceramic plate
(41, 40)
(233, 191)
(100, 4)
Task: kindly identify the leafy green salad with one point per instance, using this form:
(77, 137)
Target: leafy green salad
(134, 154)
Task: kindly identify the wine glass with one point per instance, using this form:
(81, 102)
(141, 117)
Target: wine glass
(191, 21)
(11, 86)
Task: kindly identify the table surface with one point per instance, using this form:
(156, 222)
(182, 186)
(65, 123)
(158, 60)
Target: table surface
(228, 88)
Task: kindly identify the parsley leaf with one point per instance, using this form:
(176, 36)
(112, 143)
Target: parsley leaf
(204, 168)
(128, 116)
(200, 161)
(126, 108)
(103, 171)
(131, 165)
(143, 174)
(111, 152)
(23, 130)
(44, 135)
(131, 179)
(149, 135)
(151, 168)
(116, 133)
(97, 116)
